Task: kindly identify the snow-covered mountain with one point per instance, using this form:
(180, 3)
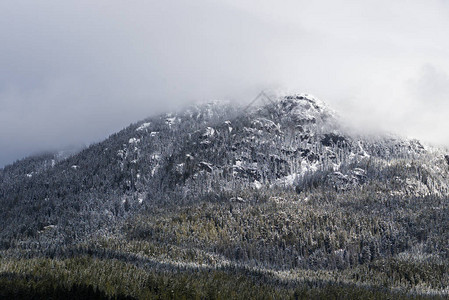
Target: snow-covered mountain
(214, 147)
(210, 181)
(286, 141)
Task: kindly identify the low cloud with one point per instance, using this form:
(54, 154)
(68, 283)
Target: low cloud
(72, 72)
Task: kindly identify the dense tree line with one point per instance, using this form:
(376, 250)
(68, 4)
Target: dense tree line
(89, 278)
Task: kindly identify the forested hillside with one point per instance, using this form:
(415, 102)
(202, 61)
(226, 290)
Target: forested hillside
(276, 200)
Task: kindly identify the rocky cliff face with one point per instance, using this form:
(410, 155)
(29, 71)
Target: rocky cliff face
(280, 143)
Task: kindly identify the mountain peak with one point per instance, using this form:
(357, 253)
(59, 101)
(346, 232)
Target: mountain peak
(294, 109)
(304, 105)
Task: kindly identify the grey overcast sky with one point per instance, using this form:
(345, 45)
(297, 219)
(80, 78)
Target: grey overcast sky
(74, 71)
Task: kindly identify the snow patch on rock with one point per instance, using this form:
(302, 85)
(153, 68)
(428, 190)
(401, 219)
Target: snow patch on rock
(143, 126)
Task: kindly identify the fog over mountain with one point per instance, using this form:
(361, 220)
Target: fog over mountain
(73, 72)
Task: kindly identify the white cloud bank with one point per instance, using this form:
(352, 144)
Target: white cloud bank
(72, 72)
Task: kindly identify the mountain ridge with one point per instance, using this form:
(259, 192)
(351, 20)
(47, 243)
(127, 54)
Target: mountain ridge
(280, 187)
